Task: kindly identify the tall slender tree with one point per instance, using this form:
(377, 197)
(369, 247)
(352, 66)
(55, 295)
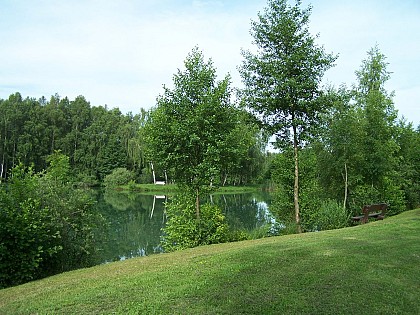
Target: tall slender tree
(380, 116)
(282, 79)
(188, 129)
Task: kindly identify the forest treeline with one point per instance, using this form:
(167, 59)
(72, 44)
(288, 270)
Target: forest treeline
(97, 140)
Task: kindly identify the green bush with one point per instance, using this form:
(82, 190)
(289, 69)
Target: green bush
(330, 215)
(119, 177)
(132, 185)
(26, 233)
(389, 192)
(363, 195)
(27, 238)
(46, 227)
(146, 176)
(184, 230)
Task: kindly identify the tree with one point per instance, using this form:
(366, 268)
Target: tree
(79, 112)
(359, 153)
(103, 148)
(243, 151)
(409, 163)
(339, 150)
(13, 114)
(380, 145)
(54, 112)
(190, 125)
(282, 80)
(380, 116)
(136, 144)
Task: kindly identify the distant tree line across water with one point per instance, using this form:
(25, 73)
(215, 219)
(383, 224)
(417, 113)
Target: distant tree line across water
(97, 140)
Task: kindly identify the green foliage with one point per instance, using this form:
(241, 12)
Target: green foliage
(184, 230)
(283, 78)
(340, 153)
(408, 167)
(188, 130)
(72, 213)
(330, 215)
(96, 140)
(26, 232)
(363, 156)
(47, 225)
(119, 177)
(146, 176)
(59, 167)
(84, 180)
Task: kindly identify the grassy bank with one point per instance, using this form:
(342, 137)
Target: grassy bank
(367, 269)
(171, 188)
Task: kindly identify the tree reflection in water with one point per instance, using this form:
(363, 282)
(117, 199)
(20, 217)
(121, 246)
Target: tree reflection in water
(135, 220)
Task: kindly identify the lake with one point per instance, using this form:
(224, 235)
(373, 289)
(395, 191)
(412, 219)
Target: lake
(135, 220)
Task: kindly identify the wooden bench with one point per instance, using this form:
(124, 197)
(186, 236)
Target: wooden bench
(376, 211)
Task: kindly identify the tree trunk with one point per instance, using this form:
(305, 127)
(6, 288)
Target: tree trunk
(345, 185)
(3, 168)
(296, 185)
(53, 142)
(197, 204)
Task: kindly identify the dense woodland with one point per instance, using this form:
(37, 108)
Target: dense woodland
(96, 139)
(337, 148)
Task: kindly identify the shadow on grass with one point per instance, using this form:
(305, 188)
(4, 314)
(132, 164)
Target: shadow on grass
(371, 270)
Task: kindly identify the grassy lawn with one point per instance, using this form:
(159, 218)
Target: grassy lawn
(367, 269)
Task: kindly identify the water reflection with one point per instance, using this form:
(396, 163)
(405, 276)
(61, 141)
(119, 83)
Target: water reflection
(135, 223)
(135, 220)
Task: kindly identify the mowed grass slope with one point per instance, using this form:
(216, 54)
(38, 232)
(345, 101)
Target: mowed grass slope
(368, 269)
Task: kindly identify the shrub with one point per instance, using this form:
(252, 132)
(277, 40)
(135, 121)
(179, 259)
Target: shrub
(27, 238)
(184, 230)
(132, 185)
(330, 215)
(46, 226)
(146, 176)
(119, 177)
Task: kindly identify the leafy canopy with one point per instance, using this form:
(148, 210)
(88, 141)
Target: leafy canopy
(282, 79)
(191, 124)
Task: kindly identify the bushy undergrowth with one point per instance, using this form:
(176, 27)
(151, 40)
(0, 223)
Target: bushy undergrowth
(328, 216)
(46, 227)
(184, 230)
(119, 177)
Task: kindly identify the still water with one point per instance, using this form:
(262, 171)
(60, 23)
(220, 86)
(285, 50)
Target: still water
(135, 220)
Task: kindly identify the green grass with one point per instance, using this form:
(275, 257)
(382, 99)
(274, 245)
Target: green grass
(367, 269)
(150, 188)
(238, 189)
(171, 188)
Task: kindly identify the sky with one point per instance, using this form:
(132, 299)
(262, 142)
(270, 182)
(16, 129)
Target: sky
(120, 53)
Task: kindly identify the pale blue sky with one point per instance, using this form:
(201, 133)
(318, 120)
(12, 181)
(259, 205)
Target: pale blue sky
(120, 53)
